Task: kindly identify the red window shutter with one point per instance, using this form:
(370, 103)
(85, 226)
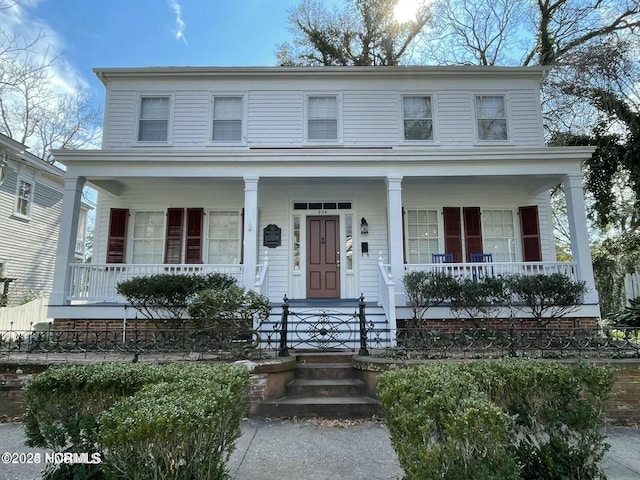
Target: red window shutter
(194, 235)
(452, 232)
(530, 229)
(472, 230)
(117, 241)
(173, 243)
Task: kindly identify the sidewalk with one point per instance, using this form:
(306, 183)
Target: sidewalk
(323, 449)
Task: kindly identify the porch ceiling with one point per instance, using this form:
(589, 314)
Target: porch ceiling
(118, 186)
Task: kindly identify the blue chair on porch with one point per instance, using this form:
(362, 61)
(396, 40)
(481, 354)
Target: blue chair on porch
(481, 257)
(442, 258)
(481, 272)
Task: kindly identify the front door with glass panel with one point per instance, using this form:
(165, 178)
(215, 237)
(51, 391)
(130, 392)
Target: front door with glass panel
(323, 257)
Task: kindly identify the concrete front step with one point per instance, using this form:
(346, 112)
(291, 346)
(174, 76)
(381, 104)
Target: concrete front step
(324, 371)
(327, 407)
(346, 387)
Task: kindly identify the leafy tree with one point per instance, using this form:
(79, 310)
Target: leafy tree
(362, 32)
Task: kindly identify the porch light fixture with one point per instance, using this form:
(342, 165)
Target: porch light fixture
(3, 167)
(364, 226)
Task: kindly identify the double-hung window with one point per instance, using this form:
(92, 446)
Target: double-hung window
(24, 198)
(417, 117)
(227, 119)
(499, 235)
(422, 235)
(153, 125)
(491, 117)
(224, 237)
(322, 118)
(148, 237)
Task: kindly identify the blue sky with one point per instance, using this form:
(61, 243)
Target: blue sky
(126, 33)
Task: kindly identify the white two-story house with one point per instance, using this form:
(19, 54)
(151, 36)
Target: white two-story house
(318, 182)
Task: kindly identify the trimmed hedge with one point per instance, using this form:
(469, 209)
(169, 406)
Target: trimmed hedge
(497, 419)
(71, 409)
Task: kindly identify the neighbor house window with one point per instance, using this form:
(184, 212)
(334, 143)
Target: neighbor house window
(499, 235)
(224, 237)
(148, 237)
(491, 117)
(227, 119)
(154, 119)
(422, 235)
(322, 118)
(417, 118)
(24, 198)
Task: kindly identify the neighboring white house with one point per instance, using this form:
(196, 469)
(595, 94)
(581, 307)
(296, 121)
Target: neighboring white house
(30, 209)
(318, 182)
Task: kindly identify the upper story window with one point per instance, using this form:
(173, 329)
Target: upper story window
(153, 125)
(322, 118)
(227, 119)
(417, 117)
(24, 198)
(491, 117)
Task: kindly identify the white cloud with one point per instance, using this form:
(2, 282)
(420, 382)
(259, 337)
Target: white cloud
(180, 25)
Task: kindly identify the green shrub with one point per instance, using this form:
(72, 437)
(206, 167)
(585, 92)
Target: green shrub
(180, 430)
(166, 296)
(63, 404)
(546, 297)
(478, 299)
(630, 316)
(443, 426)
(552, 413)
(233, 308)
(428, 289)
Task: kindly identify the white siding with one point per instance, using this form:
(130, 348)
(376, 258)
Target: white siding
(191, 118)
(455, 118)
(120, 117)
(371, 118)
(524, 117)
(275, 118)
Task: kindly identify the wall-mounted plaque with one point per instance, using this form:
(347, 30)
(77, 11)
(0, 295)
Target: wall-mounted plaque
(272, 236)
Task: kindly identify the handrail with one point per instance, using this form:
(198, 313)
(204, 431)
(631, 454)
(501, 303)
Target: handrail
(494, 269)
(387, 292)
(262, 271)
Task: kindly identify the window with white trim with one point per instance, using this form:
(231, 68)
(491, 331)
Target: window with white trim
(227, 119)
(322, 117)
(224, 237)
(153, 125)
(24, 198)
(499, 235)
(422, 235)
(491, 117)
(148, 237)
(417, 117)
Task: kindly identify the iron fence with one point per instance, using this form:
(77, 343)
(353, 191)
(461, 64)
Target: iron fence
(478, 342)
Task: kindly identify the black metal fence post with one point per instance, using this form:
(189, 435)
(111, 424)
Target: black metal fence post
(284, 350)
(363, 328)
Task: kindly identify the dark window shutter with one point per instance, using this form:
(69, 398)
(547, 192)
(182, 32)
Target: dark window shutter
(530, 228)
(194, 235)
(242, 237)
(173, 243)
(472, 230)
(117, 241)
(452, 232)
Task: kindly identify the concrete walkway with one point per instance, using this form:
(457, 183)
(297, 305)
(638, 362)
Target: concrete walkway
(321, 450)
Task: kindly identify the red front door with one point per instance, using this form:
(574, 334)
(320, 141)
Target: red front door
(323, 257)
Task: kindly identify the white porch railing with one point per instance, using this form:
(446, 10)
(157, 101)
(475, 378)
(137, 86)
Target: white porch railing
(387, 293)
(262, 284)
(97, 282)
(494, 269)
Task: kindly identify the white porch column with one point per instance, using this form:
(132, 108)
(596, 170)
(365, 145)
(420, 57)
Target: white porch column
(71, 201)
(250, 231)
(394, 234)
(580, 249)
